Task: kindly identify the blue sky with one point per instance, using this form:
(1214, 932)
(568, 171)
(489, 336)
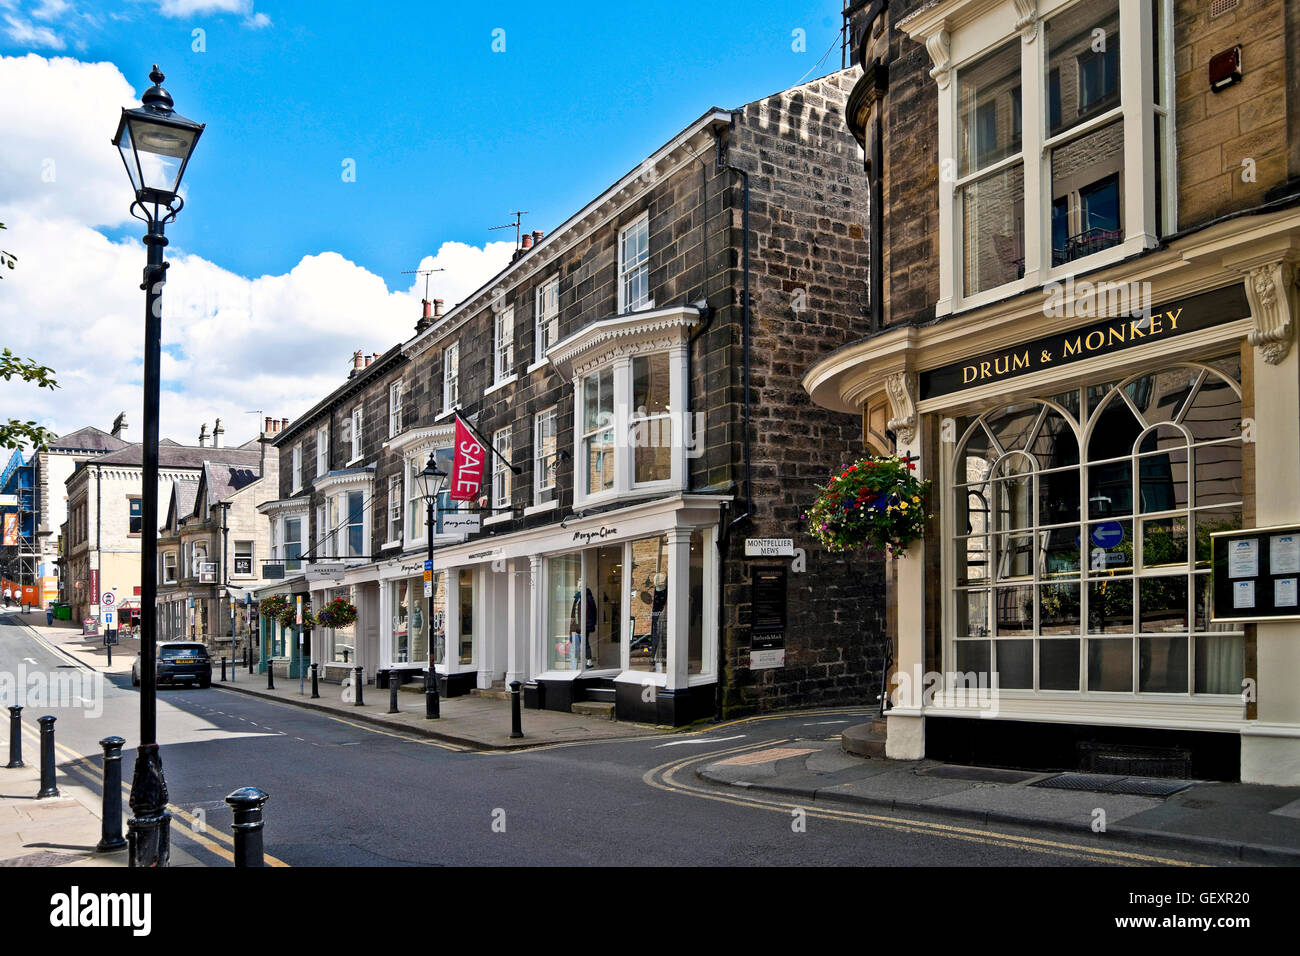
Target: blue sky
(448, 136)
(281, 269)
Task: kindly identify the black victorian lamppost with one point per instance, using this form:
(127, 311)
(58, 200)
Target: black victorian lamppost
(156, 144)
(431, 482)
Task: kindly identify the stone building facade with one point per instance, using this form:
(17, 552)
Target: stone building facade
(1089, 224)
(648, 423)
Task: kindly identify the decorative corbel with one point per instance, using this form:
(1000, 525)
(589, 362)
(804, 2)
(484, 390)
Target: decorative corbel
(1271, 290)
(901, 389)
(938, 45)
(1027, 19)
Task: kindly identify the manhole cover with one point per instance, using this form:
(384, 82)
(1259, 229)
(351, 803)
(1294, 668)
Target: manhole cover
(44, 858)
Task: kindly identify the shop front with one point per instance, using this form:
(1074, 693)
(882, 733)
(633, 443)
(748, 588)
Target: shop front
(617, 608)
(284, 647)
(1060, 611)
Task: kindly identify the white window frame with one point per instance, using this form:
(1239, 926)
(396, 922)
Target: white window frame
(547, 318)
(301, 518)
(503, 344)
(395, 408)
(451, 376)
(544, 488)
(358, 425)
(169, 578)
(640, 266)
(295, 474)
(395, 498)
(414, 505)
(323, 537)
(252, 559)
(501, 474)
(322, 450)
(952, 47)
(341, 518)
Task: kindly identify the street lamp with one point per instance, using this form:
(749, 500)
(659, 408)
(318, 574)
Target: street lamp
(156, 144)
(430, 481)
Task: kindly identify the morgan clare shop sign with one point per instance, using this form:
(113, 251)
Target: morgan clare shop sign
(1101, 338)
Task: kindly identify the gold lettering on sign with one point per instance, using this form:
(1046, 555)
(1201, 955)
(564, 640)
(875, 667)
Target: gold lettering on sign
(1073, 348)
(968, 374)
(1101, 340)
(1173, 319)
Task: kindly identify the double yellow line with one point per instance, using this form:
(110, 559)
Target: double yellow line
(87, 771)
(665, 777)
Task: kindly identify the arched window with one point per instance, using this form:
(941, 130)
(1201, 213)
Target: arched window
(1081, 535)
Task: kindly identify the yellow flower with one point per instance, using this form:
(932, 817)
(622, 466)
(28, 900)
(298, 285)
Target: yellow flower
(902, 505)
(916, 500)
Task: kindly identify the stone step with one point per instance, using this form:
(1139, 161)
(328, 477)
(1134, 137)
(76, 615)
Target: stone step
(865, 740)
(492, 693)
(595, 708)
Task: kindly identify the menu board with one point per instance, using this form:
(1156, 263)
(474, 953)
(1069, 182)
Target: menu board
(1256, 574)
(767, 618)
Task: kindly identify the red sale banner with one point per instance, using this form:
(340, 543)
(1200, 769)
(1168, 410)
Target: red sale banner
(467, 465)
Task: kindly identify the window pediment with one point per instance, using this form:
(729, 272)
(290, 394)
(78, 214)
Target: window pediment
(601, 342)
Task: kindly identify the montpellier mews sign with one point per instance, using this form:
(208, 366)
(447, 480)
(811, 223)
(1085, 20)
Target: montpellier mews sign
(1101, 338)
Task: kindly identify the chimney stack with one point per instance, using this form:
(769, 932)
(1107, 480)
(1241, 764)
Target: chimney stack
(119, 425)
(217, 432)
(203, 435)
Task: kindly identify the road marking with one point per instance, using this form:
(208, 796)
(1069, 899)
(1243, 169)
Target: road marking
(84, 767)
(819, 723)
(767, 756)
(664, 777)
(698, 740)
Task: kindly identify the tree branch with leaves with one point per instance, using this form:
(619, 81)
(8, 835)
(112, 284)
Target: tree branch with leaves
(15, 433)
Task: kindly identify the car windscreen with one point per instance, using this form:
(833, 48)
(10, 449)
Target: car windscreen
(183, 650)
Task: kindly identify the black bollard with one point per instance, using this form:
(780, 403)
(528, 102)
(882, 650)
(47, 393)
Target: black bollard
(270, 675)
(111, 829)
(48, 789)
(315, 687)
(431, 694)
(358, 685)
(345, 655)
(249, 655)
(223, 667)
(394, 680)
(15, 738)
(246, 805)
(516, 720)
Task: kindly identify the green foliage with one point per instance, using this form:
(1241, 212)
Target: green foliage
(876, 503)
(15, 433)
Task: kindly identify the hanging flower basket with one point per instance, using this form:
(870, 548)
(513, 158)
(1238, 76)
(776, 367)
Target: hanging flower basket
(285, 611)
(337, 613)
(272, 606)
(874, 503)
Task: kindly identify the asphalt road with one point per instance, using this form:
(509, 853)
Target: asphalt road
(345, 794)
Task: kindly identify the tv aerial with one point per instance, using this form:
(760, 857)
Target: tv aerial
(518, 214)
(422, 272)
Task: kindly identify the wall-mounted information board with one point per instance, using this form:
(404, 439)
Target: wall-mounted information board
(1256, 574)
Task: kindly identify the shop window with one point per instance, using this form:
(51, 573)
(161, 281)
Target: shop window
(409, 625)
(566, 613)
(1088, 539)
(465, 641)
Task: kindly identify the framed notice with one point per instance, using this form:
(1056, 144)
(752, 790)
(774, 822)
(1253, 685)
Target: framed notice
(1256, 574)
(767, 617)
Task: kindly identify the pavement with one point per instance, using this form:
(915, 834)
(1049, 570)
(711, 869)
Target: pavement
(1251, 823)
(478, 723)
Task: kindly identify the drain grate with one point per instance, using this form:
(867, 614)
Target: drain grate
(1109, 783)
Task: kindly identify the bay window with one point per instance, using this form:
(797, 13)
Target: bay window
(598, 431)
(1055, 139)
(1081, 558)
(292, 544)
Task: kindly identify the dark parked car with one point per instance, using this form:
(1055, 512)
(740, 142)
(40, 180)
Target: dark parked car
(179, 662)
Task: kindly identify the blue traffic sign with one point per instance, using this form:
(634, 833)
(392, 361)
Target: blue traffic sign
(1107, 534)
(428, 565)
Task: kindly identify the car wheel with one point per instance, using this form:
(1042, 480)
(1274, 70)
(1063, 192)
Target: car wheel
(135, 679)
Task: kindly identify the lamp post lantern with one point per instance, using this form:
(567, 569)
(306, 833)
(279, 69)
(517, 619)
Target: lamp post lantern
(431, 481)
(156, 144)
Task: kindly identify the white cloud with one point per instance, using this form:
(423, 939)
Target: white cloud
(187, 8)
(231, 344)
(51, 9)
(28, 34)
(257, 21)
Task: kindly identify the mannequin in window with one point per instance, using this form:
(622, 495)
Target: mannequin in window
(575, 627)
(657, 598)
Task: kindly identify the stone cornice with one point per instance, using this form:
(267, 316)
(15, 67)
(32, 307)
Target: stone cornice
(633, 334)
(419, 438)
(283, 505)
(355, 476)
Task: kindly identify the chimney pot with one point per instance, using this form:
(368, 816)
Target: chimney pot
(369, 359)
(537, 236)
(217, 432)
(527, 241)
(356, 359)
(284, 423)
(437, 307)
(428, 308)
(267, 427)
(203, 435)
